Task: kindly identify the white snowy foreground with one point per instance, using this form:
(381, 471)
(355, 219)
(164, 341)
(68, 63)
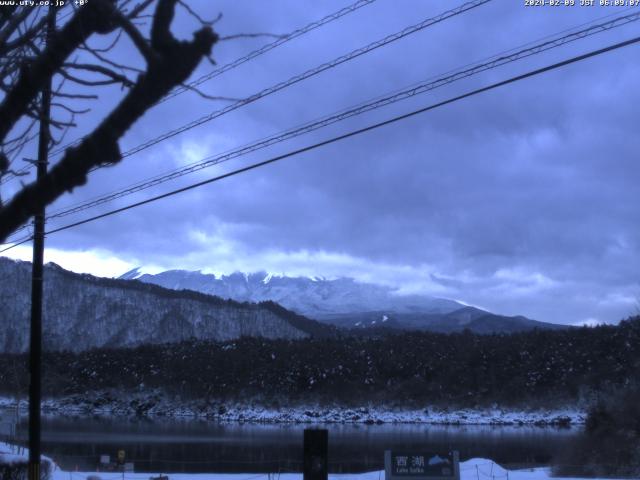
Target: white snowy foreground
(12, 455)
(473, 469)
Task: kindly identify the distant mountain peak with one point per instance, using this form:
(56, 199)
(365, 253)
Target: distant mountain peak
(315, 296)
(131, 274)
(345, 302)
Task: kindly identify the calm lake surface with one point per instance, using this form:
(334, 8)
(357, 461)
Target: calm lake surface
(188, 445)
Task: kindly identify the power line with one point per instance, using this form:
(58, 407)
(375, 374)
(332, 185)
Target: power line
(353, 133)
(270, 46)
(397, 96)
(308, 74)
(18, 242)
(24, 170)
(18, 173)
(233, 64)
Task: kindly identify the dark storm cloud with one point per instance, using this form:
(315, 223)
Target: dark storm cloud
(521, 200)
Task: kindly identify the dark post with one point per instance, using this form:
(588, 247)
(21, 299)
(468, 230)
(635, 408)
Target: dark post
(35, 347)
(316, 447)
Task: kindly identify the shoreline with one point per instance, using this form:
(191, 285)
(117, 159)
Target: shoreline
(155, 407)
(470, 469)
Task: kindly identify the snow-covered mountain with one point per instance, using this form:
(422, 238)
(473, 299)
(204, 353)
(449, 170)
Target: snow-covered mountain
(344, 302)
(316, 298)
(83, 311)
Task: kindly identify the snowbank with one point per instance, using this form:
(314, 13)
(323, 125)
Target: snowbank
(473, 469)
(13, 456)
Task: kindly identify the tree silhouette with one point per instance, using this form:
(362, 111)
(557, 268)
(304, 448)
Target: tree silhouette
(28, 63)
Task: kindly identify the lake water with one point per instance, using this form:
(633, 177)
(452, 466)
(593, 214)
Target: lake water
(187, 445)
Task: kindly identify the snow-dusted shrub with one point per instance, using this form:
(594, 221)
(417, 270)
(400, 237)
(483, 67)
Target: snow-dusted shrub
(14, 463)
(18, 470)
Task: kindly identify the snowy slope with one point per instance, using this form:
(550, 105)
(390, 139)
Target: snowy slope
(12, 456)
(82, 312)
(344, 302)
(313, 297)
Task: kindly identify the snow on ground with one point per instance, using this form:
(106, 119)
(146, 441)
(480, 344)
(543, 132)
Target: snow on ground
(152, 405)
(14, 455)
(473, 469)
(10, 455)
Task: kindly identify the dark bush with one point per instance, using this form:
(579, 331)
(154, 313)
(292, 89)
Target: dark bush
(610, 445)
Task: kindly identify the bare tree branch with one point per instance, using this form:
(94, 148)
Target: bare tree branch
(108, 47)
(12, 25)
(88, 83)
(7, 14)
(17, 173)
(24, 37)
(206, 96)
(69, 109)
(76, 95)
(89, 67)
(97, 54)
(174, 62)
(138, 9)
(161, 37)
(95, 17)
(141, 43)
(195, 15)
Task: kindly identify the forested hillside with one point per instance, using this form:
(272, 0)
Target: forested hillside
(83, 311)
(537, 368)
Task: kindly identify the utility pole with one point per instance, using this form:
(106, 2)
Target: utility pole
(35, 347)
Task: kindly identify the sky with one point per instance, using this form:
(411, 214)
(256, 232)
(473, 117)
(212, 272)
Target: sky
(522, 200)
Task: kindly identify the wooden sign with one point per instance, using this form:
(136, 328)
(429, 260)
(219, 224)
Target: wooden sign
(421, 465)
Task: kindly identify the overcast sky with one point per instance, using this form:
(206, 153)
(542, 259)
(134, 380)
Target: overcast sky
(522, 200)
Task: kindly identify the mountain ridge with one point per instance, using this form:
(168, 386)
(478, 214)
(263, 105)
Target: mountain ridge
(345, 302)
(82, 311)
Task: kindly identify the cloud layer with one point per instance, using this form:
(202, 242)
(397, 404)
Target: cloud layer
(522, 200)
